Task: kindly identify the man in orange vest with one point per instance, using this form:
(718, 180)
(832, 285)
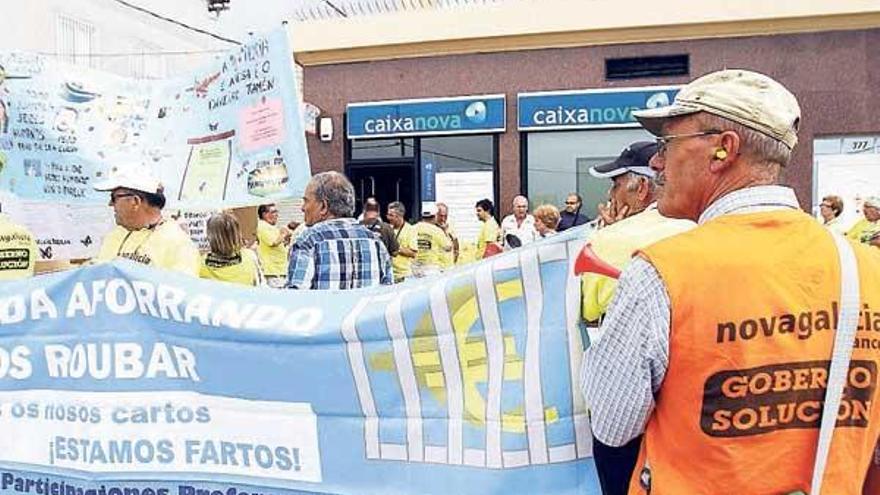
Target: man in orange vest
(718, 341)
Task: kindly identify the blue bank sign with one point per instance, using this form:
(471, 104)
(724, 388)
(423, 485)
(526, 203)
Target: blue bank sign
(458, 115)
(589, 109)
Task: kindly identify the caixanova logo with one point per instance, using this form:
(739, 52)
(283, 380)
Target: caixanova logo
(475, 113)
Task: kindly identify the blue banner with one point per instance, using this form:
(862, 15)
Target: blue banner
(588, 109)
(228, 134)
(459, 115)
(116, 378)
(429, 176)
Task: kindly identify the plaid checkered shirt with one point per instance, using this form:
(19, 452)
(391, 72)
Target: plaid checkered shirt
(623, 370)
(338, 254)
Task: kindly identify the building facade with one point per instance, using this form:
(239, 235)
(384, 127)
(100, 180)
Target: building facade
(521, 98)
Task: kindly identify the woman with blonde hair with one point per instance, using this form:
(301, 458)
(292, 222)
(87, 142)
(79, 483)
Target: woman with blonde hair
(228, 261)
(546, 219)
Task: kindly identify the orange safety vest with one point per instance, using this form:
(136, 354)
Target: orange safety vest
(754, 300)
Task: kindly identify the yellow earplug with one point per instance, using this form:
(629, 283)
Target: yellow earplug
(720, 154)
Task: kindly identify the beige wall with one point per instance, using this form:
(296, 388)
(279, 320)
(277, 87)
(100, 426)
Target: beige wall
(536, 24)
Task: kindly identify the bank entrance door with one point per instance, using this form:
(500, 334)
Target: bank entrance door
(386, 183)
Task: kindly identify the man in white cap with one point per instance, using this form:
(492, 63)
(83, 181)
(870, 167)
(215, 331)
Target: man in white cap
(433, 243)
(141, 233)
(717, 342)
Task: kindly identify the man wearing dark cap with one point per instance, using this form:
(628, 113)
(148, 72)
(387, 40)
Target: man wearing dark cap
(142, 234)
(704, 341)
(631, 222)
(632, 188)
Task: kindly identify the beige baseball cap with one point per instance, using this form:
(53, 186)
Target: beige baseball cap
(748, 98)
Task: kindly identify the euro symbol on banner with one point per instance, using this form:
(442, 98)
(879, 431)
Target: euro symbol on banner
(472, 354)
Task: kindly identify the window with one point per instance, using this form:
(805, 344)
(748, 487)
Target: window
(377, 149)
(559, 162)
(74, 41)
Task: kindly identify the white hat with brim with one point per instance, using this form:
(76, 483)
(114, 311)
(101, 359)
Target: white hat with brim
(134, 177)
(873, 201)
(429, 209)
(748, 98)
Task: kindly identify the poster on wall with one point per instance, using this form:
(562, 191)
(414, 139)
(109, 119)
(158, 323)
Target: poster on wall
(460, 191)
(227, 134)
(854, 176)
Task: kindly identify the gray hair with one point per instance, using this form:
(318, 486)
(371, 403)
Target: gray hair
(758, 147)
(336, 190)
(633, 180)
(398, 207)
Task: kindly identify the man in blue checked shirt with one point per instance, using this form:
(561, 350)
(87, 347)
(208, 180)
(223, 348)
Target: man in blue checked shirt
(335, 252)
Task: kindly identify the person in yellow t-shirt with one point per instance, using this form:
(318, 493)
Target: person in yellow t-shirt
(632, 222)
(18, 250)
(433, 243)
(407, 241)
(490, 232)
(141, 233)
(867, 230)
(227, 261)
(272, 245)
(450, 257)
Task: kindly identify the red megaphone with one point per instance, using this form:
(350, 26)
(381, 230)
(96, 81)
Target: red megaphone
(589, 262)
(492, 249)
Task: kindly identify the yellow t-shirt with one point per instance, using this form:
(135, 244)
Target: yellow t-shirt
(164, 246)
(863, 230)
(433, 245)
(447, 259)
(247, 272)
(488, 233)
(18, 250)
(402, 265)
(273, 258)
(615, 245)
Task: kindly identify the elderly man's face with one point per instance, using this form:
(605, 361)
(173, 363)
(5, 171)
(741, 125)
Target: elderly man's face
(872, 213)
(442, 215)
(683, 170)
(394, 218)
(126, 203)
(572, 204)
(314, 210)
(520, 207)
(624, 191)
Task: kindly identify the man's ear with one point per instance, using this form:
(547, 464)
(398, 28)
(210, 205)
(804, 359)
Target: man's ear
(644, 188)
(726, 152)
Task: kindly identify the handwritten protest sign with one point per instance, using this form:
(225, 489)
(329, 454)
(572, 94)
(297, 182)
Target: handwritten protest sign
(227, 134)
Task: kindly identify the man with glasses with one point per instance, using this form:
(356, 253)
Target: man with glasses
(272, 245)
(570, 216)
(707, 326)
(141, 233)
